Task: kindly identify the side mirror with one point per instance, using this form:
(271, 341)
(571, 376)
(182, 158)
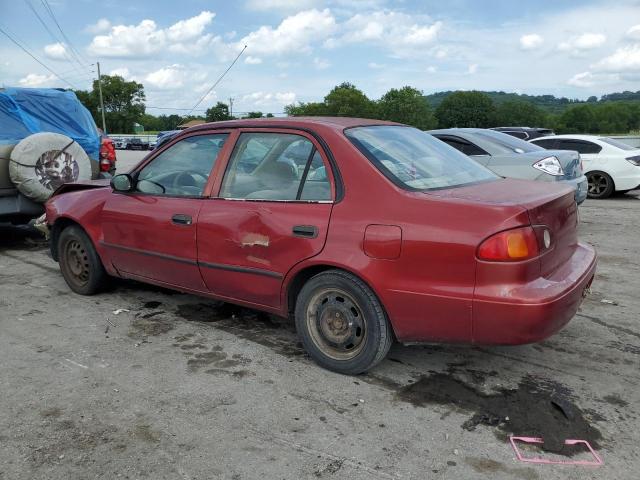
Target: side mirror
(122, 183)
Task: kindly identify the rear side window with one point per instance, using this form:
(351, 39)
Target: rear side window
(580, 146)
(462, 145)
(275, 166)
(548, 143)
(414, 160)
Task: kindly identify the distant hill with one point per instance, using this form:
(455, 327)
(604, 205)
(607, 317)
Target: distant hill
(550, 103)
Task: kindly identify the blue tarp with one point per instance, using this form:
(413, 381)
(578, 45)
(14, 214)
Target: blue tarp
(24, 111)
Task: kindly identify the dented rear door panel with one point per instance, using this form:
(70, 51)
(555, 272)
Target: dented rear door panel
(245, 247)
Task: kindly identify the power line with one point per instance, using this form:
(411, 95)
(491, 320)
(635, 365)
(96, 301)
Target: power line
(217, 81)
(77, 54)
(36, 59)
(53, 36)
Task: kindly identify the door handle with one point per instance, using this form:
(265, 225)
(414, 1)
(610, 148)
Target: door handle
(306, 231)
(181, 219)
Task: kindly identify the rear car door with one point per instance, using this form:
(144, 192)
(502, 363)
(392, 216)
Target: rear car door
(589, 151)
(271, 211)
(151, 231)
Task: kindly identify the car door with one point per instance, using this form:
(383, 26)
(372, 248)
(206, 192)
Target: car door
(150, 232)
(589, 152)
(271, 211)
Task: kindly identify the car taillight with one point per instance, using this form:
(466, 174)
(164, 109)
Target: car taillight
(635, 160)
(515, 245)
(105, 165)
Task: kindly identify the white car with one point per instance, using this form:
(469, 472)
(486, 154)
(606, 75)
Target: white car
(609, 164)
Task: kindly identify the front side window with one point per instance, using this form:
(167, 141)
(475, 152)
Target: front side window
(415, 160)
(183, 169)
(275, 166)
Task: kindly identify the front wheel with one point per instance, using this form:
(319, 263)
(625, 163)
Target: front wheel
(600, 185)
(79, 262)
(341, 323)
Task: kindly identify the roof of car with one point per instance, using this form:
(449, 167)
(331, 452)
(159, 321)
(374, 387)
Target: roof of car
(339, 123)
(457, 130)
(572, 136)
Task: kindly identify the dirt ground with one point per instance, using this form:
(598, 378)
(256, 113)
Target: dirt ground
(179, 387)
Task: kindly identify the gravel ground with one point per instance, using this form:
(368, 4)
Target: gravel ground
(179, 387)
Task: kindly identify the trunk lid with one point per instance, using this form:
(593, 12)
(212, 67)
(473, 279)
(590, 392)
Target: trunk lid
(549, 204)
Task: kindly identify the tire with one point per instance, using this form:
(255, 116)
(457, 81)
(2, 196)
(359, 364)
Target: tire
(79, 262)
(341, 323)
(42, 162)
(600, 185)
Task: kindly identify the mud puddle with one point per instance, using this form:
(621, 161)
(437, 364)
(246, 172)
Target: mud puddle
(259, 327)
(536, 408)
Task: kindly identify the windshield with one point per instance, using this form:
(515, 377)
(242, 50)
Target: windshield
(414, 159)
(505, 143)
(617, 143)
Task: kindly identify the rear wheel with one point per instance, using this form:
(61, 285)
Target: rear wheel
(79, 262)
(600, 185)
(341, 323)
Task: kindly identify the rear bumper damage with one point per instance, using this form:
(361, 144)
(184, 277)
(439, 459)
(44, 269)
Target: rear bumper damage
(534, 311)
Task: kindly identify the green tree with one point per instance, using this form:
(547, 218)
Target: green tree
(345, 100)
(217, 113)
(306, 109)
(151, 122)
(577, 119)
(466, 109)
(254, 115)
(406, 105)
(519, 113)
(123, 103)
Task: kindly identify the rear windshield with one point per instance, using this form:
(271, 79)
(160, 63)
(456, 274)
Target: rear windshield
(505, 143)
(617, 143)
(414, 159)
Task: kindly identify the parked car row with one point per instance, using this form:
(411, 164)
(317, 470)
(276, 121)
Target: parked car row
(133, 143)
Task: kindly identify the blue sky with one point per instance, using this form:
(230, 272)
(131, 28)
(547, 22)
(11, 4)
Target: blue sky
(298, 50)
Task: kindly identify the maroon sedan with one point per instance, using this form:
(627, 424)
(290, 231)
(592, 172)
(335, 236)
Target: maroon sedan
(365, 231)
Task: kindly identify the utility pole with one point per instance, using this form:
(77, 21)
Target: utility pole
(104, 123)
(231, 107)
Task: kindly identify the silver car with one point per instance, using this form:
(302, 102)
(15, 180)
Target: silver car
(512, 157)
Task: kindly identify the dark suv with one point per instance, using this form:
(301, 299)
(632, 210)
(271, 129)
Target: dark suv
(136, 144)
(525, 133)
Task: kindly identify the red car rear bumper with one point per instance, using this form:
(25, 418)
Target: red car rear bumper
(512, 315)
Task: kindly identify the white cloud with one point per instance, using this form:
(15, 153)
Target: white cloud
(396, 31)
(581, 43)
(321, 63)
(252, 60)
(633, 33)
(35, 80)
(190, 29)
(121, 72)
(432, 69)
(55, 51)
(167, 78)
(624, 59)
(582, 80)
(375, 65)
(531, 41)
(472, 69)
(259, 99)
(100, 26)
(146, 39)
(295, 33)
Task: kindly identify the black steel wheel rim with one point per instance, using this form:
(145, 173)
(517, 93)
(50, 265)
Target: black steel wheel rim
(77, 262)
(336, 324)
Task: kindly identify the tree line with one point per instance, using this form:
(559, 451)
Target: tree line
(124, 103)
(475, 109)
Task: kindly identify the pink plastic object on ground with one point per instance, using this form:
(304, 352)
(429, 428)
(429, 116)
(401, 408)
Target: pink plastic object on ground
(597, 461)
